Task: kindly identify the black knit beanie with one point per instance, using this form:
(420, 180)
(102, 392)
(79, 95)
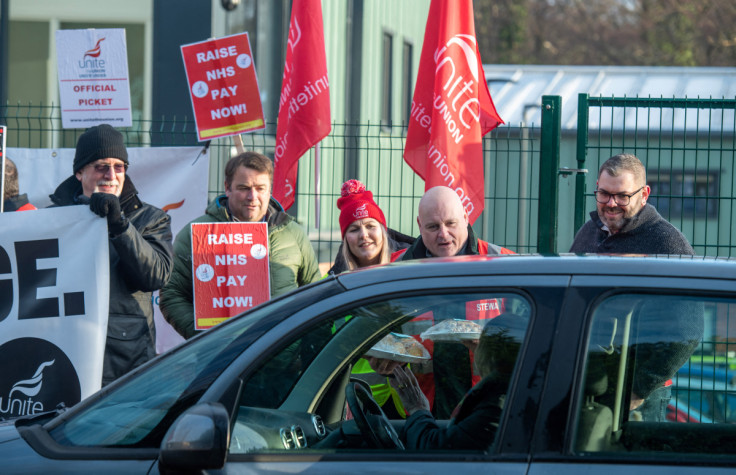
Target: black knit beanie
(100, 141)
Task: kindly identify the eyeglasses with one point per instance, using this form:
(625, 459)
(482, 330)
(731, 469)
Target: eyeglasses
(102, 168)
(621, 199)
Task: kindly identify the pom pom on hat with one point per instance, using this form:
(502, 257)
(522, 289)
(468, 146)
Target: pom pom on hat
(352, 186)
(356, 203)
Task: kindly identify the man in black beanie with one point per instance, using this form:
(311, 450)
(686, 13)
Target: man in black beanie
(141, 255)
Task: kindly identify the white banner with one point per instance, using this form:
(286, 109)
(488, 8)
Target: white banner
(54, 298)
(174, 179)
(93, 78)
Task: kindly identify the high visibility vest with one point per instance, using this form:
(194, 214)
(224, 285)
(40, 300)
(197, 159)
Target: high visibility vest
(380, 387)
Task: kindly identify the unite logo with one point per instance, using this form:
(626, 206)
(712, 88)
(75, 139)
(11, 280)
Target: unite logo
(96, 51)
(94, 54)
(361, 211)
(54, 379)
(459, 99)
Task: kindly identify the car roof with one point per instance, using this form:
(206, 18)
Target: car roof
(534, 264)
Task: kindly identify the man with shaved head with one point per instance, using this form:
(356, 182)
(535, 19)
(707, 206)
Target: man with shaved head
(444, 232)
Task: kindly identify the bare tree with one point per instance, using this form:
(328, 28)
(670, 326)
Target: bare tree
(607, 32)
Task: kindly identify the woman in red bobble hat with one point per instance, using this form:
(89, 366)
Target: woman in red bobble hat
(366, 240)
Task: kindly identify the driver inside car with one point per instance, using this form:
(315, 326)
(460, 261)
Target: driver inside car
(475, 419)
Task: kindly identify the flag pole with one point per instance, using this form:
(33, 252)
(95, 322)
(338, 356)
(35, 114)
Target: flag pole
(3, 130)
(238, 140)
(316, 185)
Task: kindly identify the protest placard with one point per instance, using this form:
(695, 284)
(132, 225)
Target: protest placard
(223, 86)
(93, 78)
(230, 266)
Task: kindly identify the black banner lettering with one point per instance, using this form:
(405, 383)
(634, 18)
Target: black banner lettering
(6, 285)
(30, 278)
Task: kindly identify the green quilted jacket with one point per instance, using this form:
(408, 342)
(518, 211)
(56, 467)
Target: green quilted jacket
(291, 257)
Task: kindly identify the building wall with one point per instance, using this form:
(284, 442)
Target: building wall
(346, 157)
(32, 45)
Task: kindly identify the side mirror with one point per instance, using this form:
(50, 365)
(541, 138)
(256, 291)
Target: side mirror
(197, 440)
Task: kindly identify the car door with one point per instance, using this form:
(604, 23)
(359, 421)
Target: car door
(620, 343)
(300, 369)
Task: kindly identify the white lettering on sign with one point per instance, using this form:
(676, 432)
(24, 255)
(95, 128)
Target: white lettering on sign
(229, 239)
(231, 260)
(229, 302)
(492, 305)
(230, 281)
(221, 73)
(224, 92)
(228, 111)
(216, 54)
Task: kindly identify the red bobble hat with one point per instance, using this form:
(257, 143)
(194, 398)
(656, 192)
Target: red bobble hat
(356, 203)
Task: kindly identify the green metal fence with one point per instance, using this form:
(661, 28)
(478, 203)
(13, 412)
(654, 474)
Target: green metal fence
(369, 152)
(687, 147)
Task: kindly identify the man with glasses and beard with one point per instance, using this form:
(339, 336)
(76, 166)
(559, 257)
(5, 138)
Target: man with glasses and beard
(139, 234)
(623, 222)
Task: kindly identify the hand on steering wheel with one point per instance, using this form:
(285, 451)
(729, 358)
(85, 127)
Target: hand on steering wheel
(370, 418)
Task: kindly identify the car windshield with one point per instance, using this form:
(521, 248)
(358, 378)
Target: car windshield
(138, 412)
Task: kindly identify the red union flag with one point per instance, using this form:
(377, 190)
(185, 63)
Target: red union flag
(304, 106)
(452, 108)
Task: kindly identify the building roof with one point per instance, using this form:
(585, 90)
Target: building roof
(517, 92)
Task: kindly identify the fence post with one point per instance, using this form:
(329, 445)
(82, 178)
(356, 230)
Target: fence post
(582, 151)
(549, 165)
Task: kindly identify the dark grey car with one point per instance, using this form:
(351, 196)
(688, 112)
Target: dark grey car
(593, 343)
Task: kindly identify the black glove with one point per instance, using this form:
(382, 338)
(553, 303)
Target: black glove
(107, 206)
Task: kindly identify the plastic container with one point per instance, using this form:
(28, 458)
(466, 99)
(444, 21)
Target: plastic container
(453, 330)
(398, 347)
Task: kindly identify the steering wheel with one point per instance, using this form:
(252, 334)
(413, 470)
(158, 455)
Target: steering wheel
(370, 418)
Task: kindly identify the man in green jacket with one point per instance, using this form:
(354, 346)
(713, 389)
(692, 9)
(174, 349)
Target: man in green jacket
(247, 198)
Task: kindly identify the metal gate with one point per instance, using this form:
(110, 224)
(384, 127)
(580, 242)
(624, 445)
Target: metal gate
(687, 147)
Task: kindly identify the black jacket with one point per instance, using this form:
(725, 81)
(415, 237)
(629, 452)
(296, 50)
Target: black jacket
(645, 233)
(418, 250)
(474, 426)
(141, 259)
(16, 202)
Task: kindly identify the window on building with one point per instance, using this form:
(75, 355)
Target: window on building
(387, 80)
(406, 82)
(688, 194)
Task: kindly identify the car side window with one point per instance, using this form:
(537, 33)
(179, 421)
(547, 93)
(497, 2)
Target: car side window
(460, 348)
(659, 376)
